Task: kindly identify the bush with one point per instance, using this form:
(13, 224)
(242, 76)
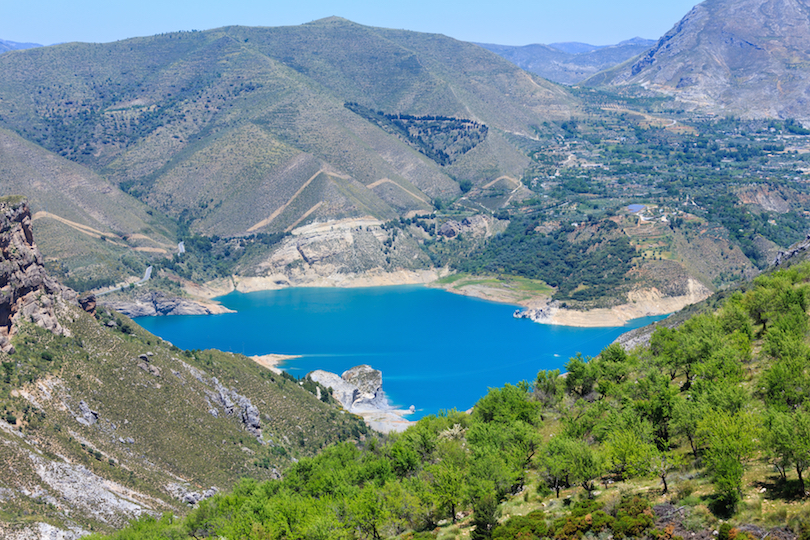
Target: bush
(585, 517)
(526, 527)
(633, 517)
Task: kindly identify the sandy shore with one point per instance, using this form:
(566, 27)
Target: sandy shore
(386, 421)
(373, 278)
(271, 361)
(643, 303)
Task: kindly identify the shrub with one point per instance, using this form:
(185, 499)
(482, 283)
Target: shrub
(633, 517)
(528, 527)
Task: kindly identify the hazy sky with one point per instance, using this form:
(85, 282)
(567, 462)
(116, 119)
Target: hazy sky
(507, 22)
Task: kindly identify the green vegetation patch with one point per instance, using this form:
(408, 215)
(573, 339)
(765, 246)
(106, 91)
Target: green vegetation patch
(443, 139)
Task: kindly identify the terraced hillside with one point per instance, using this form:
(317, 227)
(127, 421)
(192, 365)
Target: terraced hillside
(244, 129)
(92, 232)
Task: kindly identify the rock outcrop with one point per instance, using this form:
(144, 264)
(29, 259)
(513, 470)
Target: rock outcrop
(236, 405)
(27, 293)
(154, 303)
(793, 251)
(475, 225)
(320, 254)
(357, 389)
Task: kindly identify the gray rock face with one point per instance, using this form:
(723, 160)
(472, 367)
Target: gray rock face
(150, 304)
(358, 389)
(88, 416)
(237, 405)
(26, 290)
(192, 497)
(450, 229)
(793, 251)
(474, 225)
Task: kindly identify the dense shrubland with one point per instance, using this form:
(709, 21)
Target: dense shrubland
(698, 417)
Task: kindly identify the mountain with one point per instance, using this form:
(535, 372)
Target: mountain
(240, 130)
(743, 57)
(570, 63)
(6, 46)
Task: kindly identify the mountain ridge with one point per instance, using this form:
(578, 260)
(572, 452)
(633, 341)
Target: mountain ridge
(148, 112)
(571, 62)
(746, 58)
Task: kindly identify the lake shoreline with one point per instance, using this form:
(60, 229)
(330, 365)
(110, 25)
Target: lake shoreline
(436, 350)
(538, 307)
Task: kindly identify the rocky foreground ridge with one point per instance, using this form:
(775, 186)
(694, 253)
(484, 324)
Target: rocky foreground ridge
(103, 422)
(27, 293)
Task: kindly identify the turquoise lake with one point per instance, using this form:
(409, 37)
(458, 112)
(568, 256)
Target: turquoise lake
(436, 350)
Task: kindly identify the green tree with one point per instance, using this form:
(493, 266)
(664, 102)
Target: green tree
(586, 465)
(661, 464)
(629, 453)
(729, 440)
(555, 463)
(448, 486)
(368, 512)
(485, 516)
(787, 438)
(506, 405)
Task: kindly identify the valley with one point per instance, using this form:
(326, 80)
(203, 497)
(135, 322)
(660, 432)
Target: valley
(318, 164)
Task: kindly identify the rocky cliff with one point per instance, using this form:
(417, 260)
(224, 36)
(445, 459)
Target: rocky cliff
(341, 253)
(358, 389)
(27, 293)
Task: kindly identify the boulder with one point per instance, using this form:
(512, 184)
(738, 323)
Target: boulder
(450, 229)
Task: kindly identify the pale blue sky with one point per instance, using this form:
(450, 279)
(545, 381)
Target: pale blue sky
(507, 22)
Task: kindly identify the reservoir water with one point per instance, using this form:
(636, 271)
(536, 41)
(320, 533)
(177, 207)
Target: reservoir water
(436, 350)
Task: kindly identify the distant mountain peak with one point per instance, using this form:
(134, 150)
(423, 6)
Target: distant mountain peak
(6, 46)
(574, 47)
(744, 57)
(570, 62)
(334, 19)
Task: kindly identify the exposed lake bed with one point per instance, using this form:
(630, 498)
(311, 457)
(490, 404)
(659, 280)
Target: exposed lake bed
(436, 350)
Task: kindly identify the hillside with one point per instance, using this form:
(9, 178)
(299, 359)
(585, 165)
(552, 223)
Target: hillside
(703, 433)
(240, 130)
(92, 233)
(103, 422)
(747, 58)
(569, 63)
